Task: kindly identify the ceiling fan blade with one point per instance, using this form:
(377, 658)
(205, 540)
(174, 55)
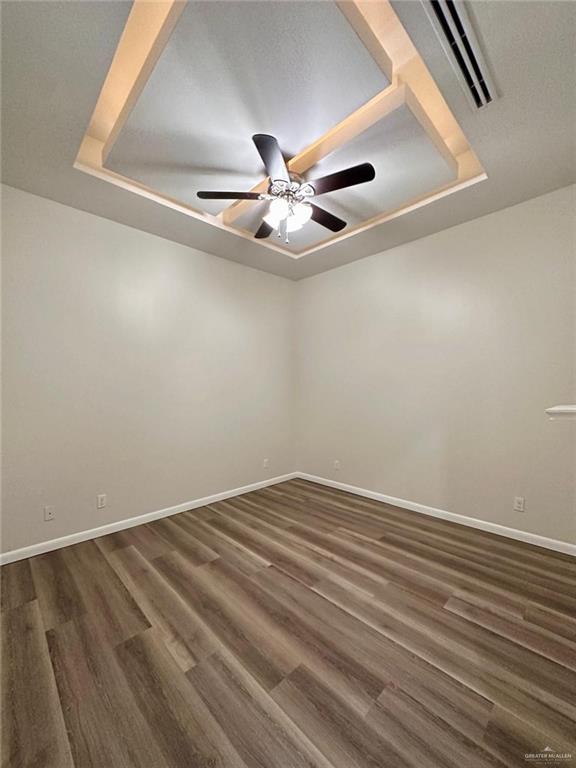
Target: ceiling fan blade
(328, 220)
(271, 155)
(264, 230)
(229, 195)
(358, 174)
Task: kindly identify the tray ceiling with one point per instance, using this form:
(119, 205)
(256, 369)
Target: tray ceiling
(337, 84)
(224, 76)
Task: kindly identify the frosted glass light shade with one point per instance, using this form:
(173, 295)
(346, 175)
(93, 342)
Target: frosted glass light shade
(302, 213)
(279, 208)
(295, 218)
(273, 221)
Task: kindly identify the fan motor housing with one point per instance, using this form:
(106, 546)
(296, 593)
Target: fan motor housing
(296, 190)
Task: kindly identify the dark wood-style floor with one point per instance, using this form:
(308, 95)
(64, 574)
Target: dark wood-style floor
(294, 626)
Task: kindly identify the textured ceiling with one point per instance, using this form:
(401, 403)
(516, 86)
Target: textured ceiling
(55, 56)
(406, 161)
(255, 67)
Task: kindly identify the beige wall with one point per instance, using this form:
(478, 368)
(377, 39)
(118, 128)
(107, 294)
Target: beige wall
(425, 370)
(157, 374)
(134, 367)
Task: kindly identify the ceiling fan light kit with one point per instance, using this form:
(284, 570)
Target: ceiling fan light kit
(290, 196)
(294, 215)
(288, 211)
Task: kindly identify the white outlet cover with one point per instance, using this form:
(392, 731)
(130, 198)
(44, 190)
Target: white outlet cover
(519, 503)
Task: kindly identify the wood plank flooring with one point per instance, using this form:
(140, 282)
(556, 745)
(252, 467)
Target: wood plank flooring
(293, 627)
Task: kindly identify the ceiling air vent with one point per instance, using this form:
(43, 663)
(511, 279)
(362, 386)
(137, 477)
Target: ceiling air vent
(454, 29)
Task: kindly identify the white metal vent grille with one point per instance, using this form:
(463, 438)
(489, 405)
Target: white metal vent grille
(454, 29)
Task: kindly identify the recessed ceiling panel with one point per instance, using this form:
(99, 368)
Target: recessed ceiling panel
(407, 165)
(229, 70)
(406, 161)
(338, 84)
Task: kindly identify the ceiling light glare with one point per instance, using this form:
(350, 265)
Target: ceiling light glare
(272, 221)
(279, 208)
(295, 216)
(292, 225)
(302, 213)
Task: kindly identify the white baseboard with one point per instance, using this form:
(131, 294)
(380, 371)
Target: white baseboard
(501, 530)
(93, 533)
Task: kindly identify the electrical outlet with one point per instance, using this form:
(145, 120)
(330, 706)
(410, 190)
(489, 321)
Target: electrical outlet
(266, 463)
(101, 501)
(519, 504)
(336, 465)
(49, 512)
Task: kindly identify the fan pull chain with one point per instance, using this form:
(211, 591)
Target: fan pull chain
(283, 226)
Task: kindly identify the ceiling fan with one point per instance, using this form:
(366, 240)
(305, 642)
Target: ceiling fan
(290, 195)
